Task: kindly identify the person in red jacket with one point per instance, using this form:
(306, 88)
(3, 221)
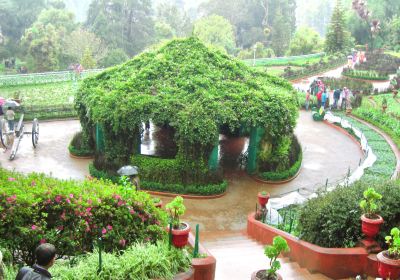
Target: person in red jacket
(319, 98)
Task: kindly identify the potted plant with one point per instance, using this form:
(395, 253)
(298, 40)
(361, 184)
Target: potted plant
(263, 198)
(371, 221)
(279, 245)
(180, 230)
(384, 104)
(157, 202)
(389, 260)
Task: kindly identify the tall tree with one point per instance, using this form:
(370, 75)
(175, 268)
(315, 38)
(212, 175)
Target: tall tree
(217, 31)
(45, 38)
(126, 24)
(305, 41)
(337, 38)
(172, 15)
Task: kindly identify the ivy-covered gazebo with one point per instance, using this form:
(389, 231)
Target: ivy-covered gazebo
(193, 91)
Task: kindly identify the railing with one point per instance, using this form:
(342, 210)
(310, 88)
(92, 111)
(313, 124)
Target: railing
(44, 78)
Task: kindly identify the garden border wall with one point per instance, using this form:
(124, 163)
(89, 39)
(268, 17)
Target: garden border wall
(204, 268)
(335, 263)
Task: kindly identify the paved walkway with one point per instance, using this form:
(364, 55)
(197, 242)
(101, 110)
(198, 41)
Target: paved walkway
(327, 154)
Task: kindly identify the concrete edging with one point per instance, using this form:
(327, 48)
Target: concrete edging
(336, 263)
(204, 268)
(187, 196)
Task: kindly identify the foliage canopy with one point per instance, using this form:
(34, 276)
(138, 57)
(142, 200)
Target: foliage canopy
(189, 87)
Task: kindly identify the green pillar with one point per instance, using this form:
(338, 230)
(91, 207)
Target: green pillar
(255, 138)
(213, 159)
(99, 138)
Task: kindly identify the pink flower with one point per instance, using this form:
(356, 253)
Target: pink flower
(62, 216)
(88, 209)
(132, 211)
(11, 199)
(109, 227)
(122, 242)
(42, 241)
(87, 229)
(60, 228)
(33, 183)
(11, 179)
(68, 201)
(58, 198)
(71, 195)
(103, 231)
(120, 203)
(89, 201)
(117, 196)
(33, 227)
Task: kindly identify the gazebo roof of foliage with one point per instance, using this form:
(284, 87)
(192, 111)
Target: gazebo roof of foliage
(192, 88)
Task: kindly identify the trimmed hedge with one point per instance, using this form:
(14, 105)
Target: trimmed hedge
(206, 189)
(279, 176)
(77, 147)
(364, 75)
(72, 215)
(333, 219)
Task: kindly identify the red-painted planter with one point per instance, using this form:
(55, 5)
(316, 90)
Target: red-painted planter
(158, 204)
(370, 227)
(263, 199)
(388, 268)
(254, 275)
(180, 236)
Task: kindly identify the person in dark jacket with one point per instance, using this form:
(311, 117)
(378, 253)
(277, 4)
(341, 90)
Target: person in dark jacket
(336, 97)
(45, 258)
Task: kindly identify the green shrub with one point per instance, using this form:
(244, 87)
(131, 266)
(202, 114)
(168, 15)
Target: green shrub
(333, 219)
(365, 75)
(77, 146)
(278, 176)
(72, 215)
(193, 189)
(138, 262)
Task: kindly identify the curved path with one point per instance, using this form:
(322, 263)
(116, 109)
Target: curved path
(327, 154)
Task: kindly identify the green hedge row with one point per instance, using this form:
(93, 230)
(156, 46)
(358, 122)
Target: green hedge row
(206, 189)
(332, 219)
(78, 148)
(279, 176)
(72, 215)
(364, 75)
(137, 262)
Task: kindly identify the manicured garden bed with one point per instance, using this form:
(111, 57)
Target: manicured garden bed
(354, 85)
(364, 75)
(384, 64)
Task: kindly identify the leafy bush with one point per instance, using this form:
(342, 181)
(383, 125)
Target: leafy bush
(333, 219)
(393, 242)
(77, 147)
(283, 175)
(368, 205)
(279, 245)
(363, 74)
(197, 189)
(140, 261)
(72, 215)
(176, 208)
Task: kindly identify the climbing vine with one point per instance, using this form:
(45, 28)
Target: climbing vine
(189, 87)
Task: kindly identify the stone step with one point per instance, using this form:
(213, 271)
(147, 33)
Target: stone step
(239, 256)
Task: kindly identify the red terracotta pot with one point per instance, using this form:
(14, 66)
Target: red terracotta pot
(262, 272)
(370, 227)
(158, 204)
(388, 268)
(180, 236)
(263, 199)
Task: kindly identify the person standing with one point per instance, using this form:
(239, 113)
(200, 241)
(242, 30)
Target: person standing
(330, 98)
(10, 115)
(323, 99)
(307, 104)
(319, 99)
(336, 97)
(45, 257)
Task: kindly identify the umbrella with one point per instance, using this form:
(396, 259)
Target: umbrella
(2, 101)
(11, 103)
(128, 170)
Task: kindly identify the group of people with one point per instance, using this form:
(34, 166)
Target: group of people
(328, 98)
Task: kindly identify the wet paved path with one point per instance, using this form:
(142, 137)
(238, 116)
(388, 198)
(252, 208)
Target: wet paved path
(326, 154)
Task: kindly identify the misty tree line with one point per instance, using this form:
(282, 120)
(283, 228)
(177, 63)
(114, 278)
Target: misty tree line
(43, 35)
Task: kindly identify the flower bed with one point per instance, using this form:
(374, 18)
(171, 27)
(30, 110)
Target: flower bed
(72, 215)
(384, 64)
(177, 188)
(283, 175)
(354, 85)
(364, 75)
